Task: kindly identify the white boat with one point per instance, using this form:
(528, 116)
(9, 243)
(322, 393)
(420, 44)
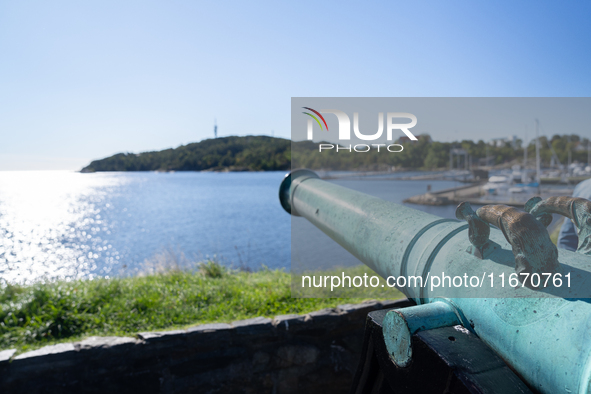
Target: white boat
(497, 184)
(503, 186)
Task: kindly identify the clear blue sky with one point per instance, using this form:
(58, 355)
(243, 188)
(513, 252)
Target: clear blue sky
(81, 80)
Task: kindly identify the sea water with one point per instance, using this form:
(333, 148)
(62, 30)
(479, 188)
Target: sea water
(68, 225)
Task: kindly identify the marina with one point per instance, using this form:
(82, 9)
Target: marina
(475, 194)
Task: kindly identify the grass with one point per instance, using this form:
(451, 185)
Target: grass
(46, 313)
(169, 295)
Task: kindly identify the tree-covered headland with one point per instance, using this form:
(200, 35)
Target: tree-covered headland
(250, 153)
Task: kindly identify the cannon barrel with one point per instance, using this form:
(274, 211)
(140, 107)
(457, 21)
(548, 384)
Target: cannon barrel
(542, 332)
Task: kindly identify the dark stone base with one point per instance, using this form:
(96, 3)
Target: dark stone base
(313, 353)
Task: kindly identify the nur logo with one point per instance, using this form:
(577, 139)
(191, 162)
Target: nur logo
(345, 124)
(345, 128)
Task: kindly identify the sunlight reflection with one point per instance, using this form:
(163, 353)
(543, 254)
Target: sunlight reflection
(50, 225)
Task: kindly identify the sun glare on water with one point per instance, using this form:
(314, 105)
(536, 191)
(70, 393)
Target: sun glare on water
(48, 224)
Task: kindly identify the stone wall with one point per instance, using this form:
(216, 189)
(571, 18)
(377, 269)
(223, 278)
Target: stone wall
(313, 353)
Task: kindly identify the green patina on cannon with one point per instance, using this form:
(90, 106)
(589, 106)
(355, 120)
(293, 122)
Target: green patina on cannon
(540, 328)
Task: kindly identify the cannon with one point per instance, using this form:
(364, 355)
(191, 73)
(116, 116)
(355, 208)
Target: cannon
(539, 324)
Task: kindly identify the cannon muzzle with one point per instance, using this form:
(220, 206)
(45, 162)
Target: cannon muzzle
(541, 328)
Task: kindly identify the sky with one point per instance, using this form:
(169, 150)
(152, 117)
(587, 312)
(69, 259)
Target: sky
(84, 80)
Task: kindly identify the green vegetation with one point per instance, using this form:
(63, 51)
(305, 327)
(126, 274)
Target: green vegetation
(427, 154)
(261, 153)
(252, 153)
(46, 313)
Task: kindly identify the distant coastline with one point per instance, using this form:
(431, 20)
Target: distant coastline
(250, 153)
(264, 153)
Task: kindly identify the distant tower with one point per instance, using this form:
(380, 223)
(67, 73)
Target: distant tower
(215, 129)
